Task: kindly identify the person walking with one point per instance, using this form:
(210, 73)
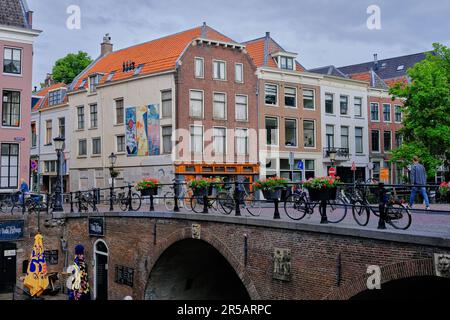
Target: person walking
(418, 180)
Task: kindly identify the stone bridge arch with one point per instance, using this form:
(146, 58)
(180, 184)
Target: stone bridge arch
(186, 233)
(392, 272)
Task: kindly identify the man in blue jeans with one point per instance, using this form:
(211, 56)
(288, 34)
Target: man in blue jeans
(418, 178)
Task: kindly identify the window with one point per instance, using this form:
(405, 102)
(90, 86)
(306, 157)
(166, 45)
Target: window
(120, 143)
(290, 97)
(94, 116)
(220, 106)
(219, 70)
(310, 170)
(50, 166)
(359, 140)
(290, 132)
(33, 135)
(398, 139)
(9, 166)
(166, 98)
(398, 114)
(387, 141)
(96, 146)
(199, 67)
(12, 61)
(286, 63)
(219, 140)
(376, 170)
(358, 107)
(329, 103)
(167, 139)
(82, 147)
(344, 105)
(272, 131)
(271, 94)
(375, 141)
(330, 136)
(196, 139)
(55, 97)
(239, 72)
(374, 112)
(241, 142)
(120, 119)
(309, 133)
(93, 81)
(308, 99)
(344, 137)
(387, 112)
(241, 108)
(196, 104)
(11, 109)
(80, 113)
(48, 132)
(62, 127)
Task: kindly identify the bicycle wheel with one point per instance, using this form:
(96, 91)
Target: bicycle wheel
(225, 203)
(295, 207)
(252, 205)
(361, 213)
(123, 204)
(398, 216)
(197, 204)
(336, 210)
(169, 201)
(136, 202)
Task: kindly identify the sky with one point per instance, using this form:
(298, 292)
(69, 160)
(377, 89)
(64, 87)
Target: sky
(322, 32)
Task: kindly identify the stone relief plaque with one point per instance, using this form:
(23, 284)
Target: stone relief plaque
(442, 265)
(196, 231)
(282, 264)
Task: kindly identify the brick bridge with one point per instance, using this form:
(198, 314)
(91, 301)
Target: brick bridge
(186, 256)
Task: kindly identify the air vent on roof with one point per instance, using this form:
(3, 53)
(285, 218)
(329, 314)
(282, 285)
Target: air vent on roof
(111, 75)
(383, 65)
(400, 68)
(138, 69)
(128, 66)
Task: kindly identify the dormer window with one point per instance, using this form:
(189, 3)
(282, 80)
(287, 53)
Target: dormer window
(93, 82)
(286, 63)
(400, 68)
(56, 97)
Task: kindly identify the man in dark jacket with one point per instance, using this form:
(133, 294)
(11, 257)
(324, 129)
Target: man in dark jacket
(419, 179)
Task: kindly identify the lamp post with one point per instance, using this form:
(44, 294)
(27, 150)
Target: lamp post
(332, 154)
(112, 162)
(59, 148)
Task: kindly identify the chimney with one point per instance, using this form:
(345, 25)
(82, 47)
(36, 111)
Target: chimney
(106, 46)
(266, 48)
(203, 30)
(30, 19)
(48, 80)
(375, 61)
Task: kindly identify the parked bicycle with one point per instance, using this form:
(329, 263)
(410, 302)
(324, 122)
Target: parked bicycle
(86, 201)
(184, 198)
(221, 202)
(123, 200)
(298, 205)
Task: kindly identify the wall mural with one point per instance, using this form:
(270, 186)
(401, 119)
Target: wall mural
(142, 131)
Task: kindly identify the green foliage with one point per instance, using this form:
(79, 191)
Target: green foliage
(270, 184)
(67, 68)
(322, 183)
(426, 121)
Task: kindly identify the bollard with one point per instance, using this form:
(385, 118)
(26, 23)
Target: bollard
(129, 198)
(205, 204)
(276, 215)
(175, 198)
(382, 206)
(152, 207)
(111, 196)
(71, 203)
(323, 212)
(237, 195)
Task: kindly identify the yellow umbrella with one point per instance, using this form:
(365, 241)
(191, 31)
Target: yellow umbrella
(36, 280)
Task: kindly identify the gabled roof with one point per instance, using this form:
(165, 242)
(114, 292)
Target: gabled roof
(44, 94)
(13, 13)
(387, 68)
(255, 49)
(330, 71)
(152, 57)
(372, 78)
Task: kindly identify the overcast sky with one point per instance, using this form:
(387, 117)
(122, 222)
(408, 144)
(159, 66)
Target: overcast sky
(322, 32)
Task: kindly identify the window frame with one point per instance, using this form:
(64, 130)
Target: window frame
(162, 136)
(225, 152)
(328, 135)
(378, 112)
(246, 107)
(100, 146)
(11, 105)
(235, 72)
(91, 118)
(12, 53)
(203, 104)
(313, 98)
(332, 103)
(165, 100)
(360, 107)
(9, 166)
(225, 70)
(371, 141)
(348, 137)
(225, 105)
(278, 128)
(296, 132)
(124, 144)
(295, 97)
(85, 148)
(276, 95)
(390, 113)
(340, 105)
(195, 67)
(83, 117)
(314, 131)
(390, 140)
(190, 138)
(246, 142)
(116, 113)
(395, 113)
(362, 141)
(48, 139)
(62, 126)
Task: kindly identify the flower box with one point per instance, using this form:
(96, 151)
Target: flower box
(201, 192)
(149, 192)
(322, 194)
(272, 195)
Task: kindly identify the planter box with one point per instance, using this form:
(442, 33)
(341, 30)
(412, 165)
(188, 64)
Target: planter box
(322, 194)
(285, 193)
(149, 192)
(272, 194)
(201, 192)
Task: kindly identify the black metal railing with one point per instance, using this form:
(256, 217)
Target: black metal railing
(341, 153)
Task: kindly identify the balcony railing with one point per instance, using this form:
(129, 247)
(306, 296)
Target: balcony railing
(341, 153)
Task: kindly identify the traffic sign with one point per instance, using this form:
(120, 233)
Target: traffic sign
(332, 172)
(353, 166)
(300, 165)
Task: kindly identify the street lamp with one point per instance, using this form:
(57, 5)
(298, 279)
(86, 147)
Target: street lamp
(332, 154)
(113, 174)
(59, 148)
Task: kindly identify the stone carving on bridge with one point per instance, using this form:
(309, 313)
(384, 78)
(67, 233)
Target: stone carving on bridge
(282, 264)
(196, 231)
(442, 265)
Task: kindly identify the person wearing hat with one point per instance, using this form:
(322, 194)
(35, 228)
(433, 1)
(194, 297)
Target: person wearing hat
(78, 283)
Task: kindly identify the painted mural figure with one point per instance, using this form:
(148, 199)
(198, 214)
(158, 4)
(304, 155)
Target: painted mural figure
(131, 132)
(143, 131)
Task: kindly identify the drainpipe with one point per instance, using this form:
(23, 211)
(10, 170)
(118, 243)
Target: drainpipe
(266, 49)
(39, 155)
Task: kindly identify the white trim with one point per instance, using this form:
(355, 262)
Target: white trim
(242, 73)
(226, 140)
(296, 97)
(203, 104)
(203, 67)
(296, 132)
(390, 113)
(225, 69)
(315, 133)
(226, 106)
(235, 142)
(278, 128)
(401, 113)
(190, 138)
(370, 112)
(277, 95)
(314, 98)
(325, 103)
(235, 103)
(21, 61)
(379, 141)
(16, 34)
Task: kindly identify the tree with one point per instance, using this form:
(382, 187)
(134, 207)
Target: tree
(426, 121)
(67, 68)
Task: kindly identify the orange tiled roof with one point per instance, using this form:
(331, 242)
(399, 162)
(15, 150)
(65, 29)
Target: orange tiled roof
(392, 82)
(156, 56)
(363, 76)
(256, 50)
(43, 92)
(43, 102)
